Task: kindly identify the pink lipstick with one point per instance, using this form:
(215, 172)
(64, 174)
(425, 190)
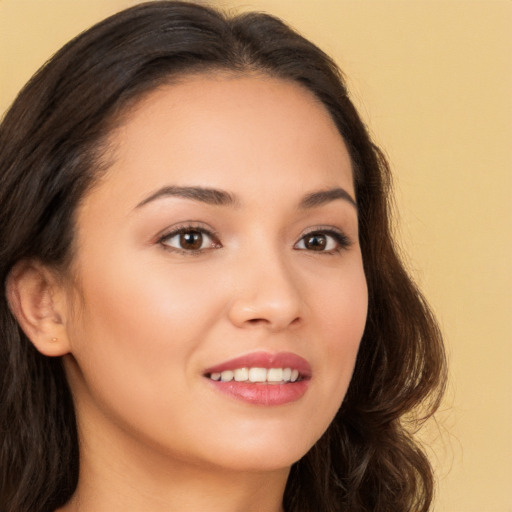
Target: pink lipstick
(262, 378)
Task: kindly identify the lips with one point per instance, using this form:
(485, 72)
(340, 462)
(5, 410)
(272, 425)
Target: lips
(262, 378)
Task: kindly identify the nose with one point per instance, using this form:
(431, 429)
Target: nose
(266, 293)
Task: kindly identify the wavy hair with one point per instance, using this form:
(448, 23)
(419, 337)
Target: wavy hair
(51, 145)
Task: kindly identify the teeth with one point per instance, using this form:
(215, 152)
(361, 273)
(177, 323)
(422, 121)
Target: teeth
(257, 375)
(226, 376)
(272, 375)
(275, 375)
(241, 374)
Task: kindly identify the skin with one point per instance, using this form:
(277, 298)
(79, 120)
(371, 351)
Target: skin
(142, 320)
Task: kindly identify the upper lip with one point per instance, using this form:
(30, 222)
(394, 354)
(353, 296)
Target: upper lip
(265, 360)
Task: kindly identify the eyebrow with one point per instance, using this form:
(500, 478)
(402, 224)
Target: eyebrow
(218, 197)
(316, 199)
(204, 195)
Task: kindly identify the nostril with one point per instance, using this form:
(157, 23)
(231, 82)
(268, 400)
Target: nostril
(255, 321)
(264, 321)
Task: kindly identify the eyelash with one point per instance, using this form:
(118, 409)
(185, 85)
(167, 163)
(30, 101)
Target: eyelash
(341, 240)
(188, 229)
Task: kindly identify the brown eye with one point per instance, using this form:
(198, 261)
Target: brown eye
(326, 241)
(316, 242)
(189, 240)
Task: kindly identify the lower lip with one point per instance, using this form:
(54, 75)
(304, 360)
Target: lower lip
(263, 394)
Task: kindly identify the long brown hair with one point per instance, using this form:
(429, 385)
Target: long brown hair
(51, 143)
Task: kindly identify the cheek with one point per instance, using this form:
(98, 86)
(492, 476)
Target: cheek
(139, 325)
(135, 339)
(343, 306)
(341, 322)
(137, 302)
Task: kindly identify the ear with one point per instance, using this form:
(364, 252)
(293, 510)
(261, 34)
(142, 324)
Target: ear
(37, 300)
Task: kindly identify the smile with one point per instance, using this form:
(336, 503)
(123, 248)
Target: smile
(262, 378)
(261, 375)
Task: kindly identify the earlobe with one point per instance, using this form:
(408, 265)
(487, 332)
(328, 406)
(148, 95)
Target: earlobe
(37, 300)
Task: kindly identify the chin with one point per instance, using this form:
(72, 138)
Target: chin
(263, 453)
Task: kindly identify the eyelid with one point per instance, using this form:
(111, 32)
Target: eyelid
(341, 238)
(185, 227)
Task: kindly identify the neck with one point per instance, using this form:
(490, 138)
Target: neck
(187, 492)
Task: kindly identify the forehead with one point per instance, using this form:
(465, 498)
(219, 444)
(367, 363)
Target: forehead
(223, 131)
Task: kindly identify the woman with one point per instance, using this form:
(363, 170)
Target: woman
(203, 306)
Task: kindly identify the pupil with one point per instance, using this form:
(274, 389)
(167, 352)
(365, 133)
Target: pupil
(191, 240)
(316, 242)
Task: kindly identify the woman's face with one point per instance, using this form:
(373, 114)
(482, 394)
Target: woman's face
(222, 243)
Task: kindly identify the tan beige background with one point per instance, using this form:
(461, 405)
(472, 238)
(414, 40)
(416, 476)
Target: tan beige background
(433, 79)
